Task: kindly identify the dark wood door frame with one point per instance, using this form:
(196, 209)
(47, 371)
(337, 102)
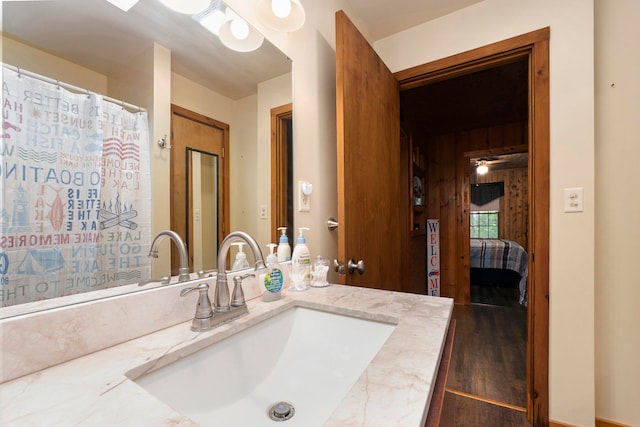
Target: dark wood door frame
(535, 47)
(279, 169)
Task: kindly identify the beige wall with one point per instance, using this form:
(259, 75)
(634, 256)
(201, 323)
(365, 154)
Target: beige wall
(272, 93)
(40, 62)
(617, 210)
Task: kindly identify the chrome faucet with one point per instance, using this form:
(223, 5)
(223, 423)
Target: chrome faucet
(183, 271)
(221, 293)
(224, 308)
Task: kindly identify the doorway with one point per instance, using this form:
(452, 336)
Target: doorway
(282, 171)
(368, 115)
(199, 186)
(451, 194)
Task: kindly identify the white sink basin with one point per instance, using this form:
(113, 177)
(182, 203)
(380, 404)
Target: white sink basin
(305, 357)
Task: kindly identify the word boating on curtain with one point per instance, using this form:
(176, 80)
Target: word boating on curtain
(75, 178)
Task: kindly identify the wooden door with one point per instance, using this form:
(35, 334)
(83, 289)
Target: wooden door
(369, 163)
(196, 136)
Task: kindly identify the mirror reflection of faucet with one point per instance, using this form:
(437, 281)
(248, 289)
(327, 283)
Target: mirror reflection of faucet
(183, 272)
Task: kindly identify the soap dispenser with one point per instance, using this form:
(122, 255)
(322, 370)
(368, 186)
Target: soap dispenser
(301, 262)
(272, 279)
(241, 262)
(284, 250)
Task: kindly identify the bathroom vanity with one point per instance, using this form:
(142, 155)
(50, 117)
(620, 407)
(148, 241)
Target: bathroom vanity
(100, 388)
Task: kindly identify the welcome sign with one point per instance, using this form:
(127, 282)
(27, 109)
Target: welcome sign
(75, 177)
(433, 257)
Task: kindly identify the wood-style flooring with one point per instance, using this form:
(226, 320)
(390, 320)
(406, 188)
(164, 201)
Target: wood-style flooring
(486, 384)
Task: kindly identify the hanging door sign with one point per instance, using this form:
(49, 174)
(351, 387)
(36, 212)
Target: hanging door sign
(433, 257)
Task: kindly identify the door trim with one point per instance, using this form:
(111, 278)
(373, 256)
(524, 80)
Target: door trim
(535, 47)
(279, 166)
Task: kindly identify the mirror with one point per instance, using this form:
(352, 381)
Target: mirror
(92, 44)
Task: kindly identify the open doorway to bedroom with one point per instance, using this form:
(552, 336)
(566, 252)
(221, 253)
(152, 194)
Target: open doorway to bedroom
(488, 102)
(498, 228)
(462, 124)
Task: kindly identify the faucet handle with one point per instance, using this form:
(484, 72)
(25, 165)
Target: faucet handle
(204, 311)
(237, 297)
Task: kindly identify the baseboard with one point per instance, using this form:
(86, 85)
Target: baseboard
(599, 423)
(559, 424)
(606, 423)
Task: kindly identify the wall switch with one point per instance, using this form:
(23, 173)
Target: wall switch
(574, 199)
(263, 212)
(196, 214)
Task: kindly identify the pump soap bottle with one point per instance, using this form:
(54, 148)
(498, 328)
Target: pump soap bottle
(301, 259)
(284, 250)
(272, 279)
(240, 262)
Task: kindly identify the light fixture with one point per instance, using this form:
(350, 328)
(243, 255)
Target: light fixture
(188, 7)
(233, 31)
(281, 15)
(481, 167)
(237, 35)
(123, 4)
(281, 8)
(211, 19)
(239, 28)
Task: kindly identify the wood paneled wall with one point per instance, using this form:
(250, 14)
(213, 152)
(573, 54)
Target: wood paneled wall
(514, 205)
(448, 194)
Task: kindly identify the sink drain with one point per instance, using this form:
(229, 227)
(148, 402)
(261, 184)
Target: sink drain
(281, 411)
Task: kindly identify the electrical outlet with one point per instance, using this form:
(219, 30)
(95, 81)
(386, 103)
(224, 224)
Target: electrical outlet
(574, 199)
(263, 212)
(304, 196)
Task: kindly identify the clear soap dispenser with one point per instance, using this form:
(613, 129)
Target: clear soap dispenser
(241, 262)
(272, 279)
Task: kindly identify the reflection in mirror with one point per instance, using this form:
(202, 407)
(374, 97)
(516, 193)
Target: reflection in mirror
(282, 170)
(126, 60)
(202, 209)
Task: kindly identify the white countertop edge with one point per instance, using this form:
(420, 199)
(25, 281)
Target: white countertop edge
(394, 390)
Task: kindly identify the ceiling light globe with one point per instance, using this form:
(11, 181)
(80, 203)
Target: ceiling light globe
(482, 169)
(214, 21)
(240, 29)
(281, 8)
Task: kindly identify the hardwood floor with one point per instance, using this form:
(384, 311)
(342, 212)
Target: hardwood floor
(486, 385)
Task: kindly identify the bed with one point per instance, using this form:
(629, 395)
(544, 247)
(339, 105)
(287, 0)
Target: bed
(503, 255)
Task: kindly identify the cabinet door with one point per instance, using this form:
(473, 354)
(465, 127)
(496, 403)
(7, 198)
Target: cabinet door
(369, 162)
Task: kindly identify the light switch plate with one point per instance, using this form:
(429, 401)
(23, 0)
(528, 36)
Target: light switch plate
(263, 212)
(574, 199)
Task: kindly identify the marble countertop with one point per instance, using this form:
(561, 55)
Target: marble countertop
(94, 390)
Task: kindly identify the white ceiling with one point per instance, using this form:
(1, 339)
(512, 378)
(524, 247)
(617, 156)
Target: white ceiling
(97, 35)
(385, 17)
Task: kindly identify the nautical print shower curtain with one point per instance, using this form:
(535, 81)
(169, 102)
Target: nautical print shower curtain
(75, 178)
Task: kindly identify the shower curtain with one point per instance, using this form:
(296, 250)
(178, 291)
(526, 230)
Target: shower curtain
(75, 178)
